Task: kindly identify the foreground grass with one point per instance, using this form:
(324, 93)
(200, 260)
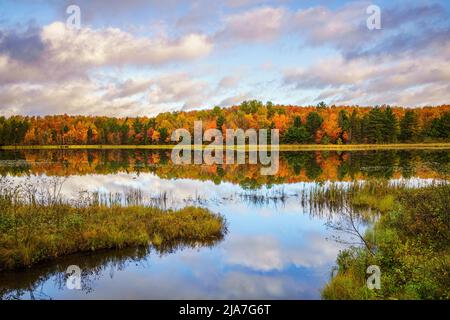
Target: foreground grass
(284, 147)
(32, 231)
(411, 245)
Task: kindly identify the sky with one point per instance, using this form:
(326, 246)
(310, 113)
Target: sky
(144, 57)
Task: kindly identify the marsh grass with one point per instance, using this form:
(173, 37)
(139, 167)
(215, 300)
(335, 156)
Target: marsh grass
(411, 240)
(37, 223)
(261, 198)
(363, 196)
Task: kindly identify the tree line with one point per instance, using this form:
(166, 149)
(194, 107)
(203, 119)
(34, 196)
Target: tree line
(319, 124)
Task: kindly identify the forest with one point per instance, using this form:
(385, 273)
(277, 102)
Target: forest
(319, 124)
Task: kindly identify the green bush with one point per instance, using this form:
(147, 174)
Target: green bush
(412, 242)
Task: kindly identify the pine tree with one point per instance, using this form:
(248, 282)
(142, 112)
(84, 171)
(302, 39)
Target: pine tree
(375, 126)
(297, 122)
(354, 133)
(220, 122)
(90, 135)
(313, 123)
(408, 126)
(344, 123)
(390, 125)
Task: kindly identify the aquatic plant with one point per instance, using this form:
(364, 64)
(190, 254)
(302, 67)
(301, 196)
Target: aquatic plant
(37, 223)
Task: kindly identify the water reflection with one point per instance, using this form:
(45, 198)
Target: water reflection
(33, 283)
(294, 166)
(277, 247)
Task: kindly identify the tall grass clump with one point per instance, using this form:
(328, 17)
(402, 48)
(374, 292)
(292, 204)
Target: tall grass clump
(412, 251)
(37, 224)
(371, 195)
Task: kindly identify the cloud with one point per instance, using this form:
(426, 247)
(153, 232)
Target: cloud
(238, 285)
(403, 28)
(342, 27)
(265, 253)
(52, 69)
(25, 47)
(409, 81)
(128, 88)
(74, 97)
(256, 25)
(228, 82)
(117, 98)
(179, 89)
(112, 46)
(405, 63)
(235, 99)
(62, 54)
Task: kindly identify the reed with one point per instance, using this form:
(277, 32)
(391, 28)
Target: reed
(376, 194)
(37, 223)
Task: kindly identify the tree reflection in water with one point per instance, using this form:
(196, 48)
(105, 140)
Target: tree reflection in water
(94, 266)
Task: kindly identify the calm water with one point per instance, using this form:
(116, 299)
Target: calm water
(275, 248)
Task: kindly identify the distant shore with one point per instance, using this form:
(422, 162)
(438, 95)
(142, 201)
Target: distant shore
(284, 147)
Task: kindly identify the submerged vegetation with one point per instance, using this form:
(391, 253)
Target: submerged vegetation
(409, 240)
(37, 224)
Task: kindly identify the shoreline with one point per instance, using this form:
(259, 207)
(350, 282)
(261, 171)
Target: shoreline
(297, 147)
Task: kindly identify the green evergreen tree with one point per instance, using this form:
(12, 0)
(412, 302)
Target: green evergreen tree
(297, 133)
(344, 123)
(163, 134)
(90, 136)
(313, 123)
(390, 126)
(408, 126)
(375, 126)
(354, 133)
(220, 121)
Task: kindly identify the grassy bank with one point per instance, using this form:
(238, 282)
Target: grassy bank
(284, 147)
(409, 241)
(33, 230)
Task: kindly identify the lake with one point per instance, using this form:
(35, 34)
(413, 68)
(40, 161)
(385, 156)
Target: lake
(276, 246)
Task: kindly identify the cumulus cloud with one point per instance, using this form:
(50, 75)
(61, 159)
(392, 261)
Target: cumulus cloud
(178, 88)
(376, 80)
(119, 98)
(256, 25)
(112, 46)
(342, 27)
(228, 82)
(25, 47)
(74, 97)
(345, 28)
(265, 253)
(54, 68)
(59, 53)
(405, 63)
